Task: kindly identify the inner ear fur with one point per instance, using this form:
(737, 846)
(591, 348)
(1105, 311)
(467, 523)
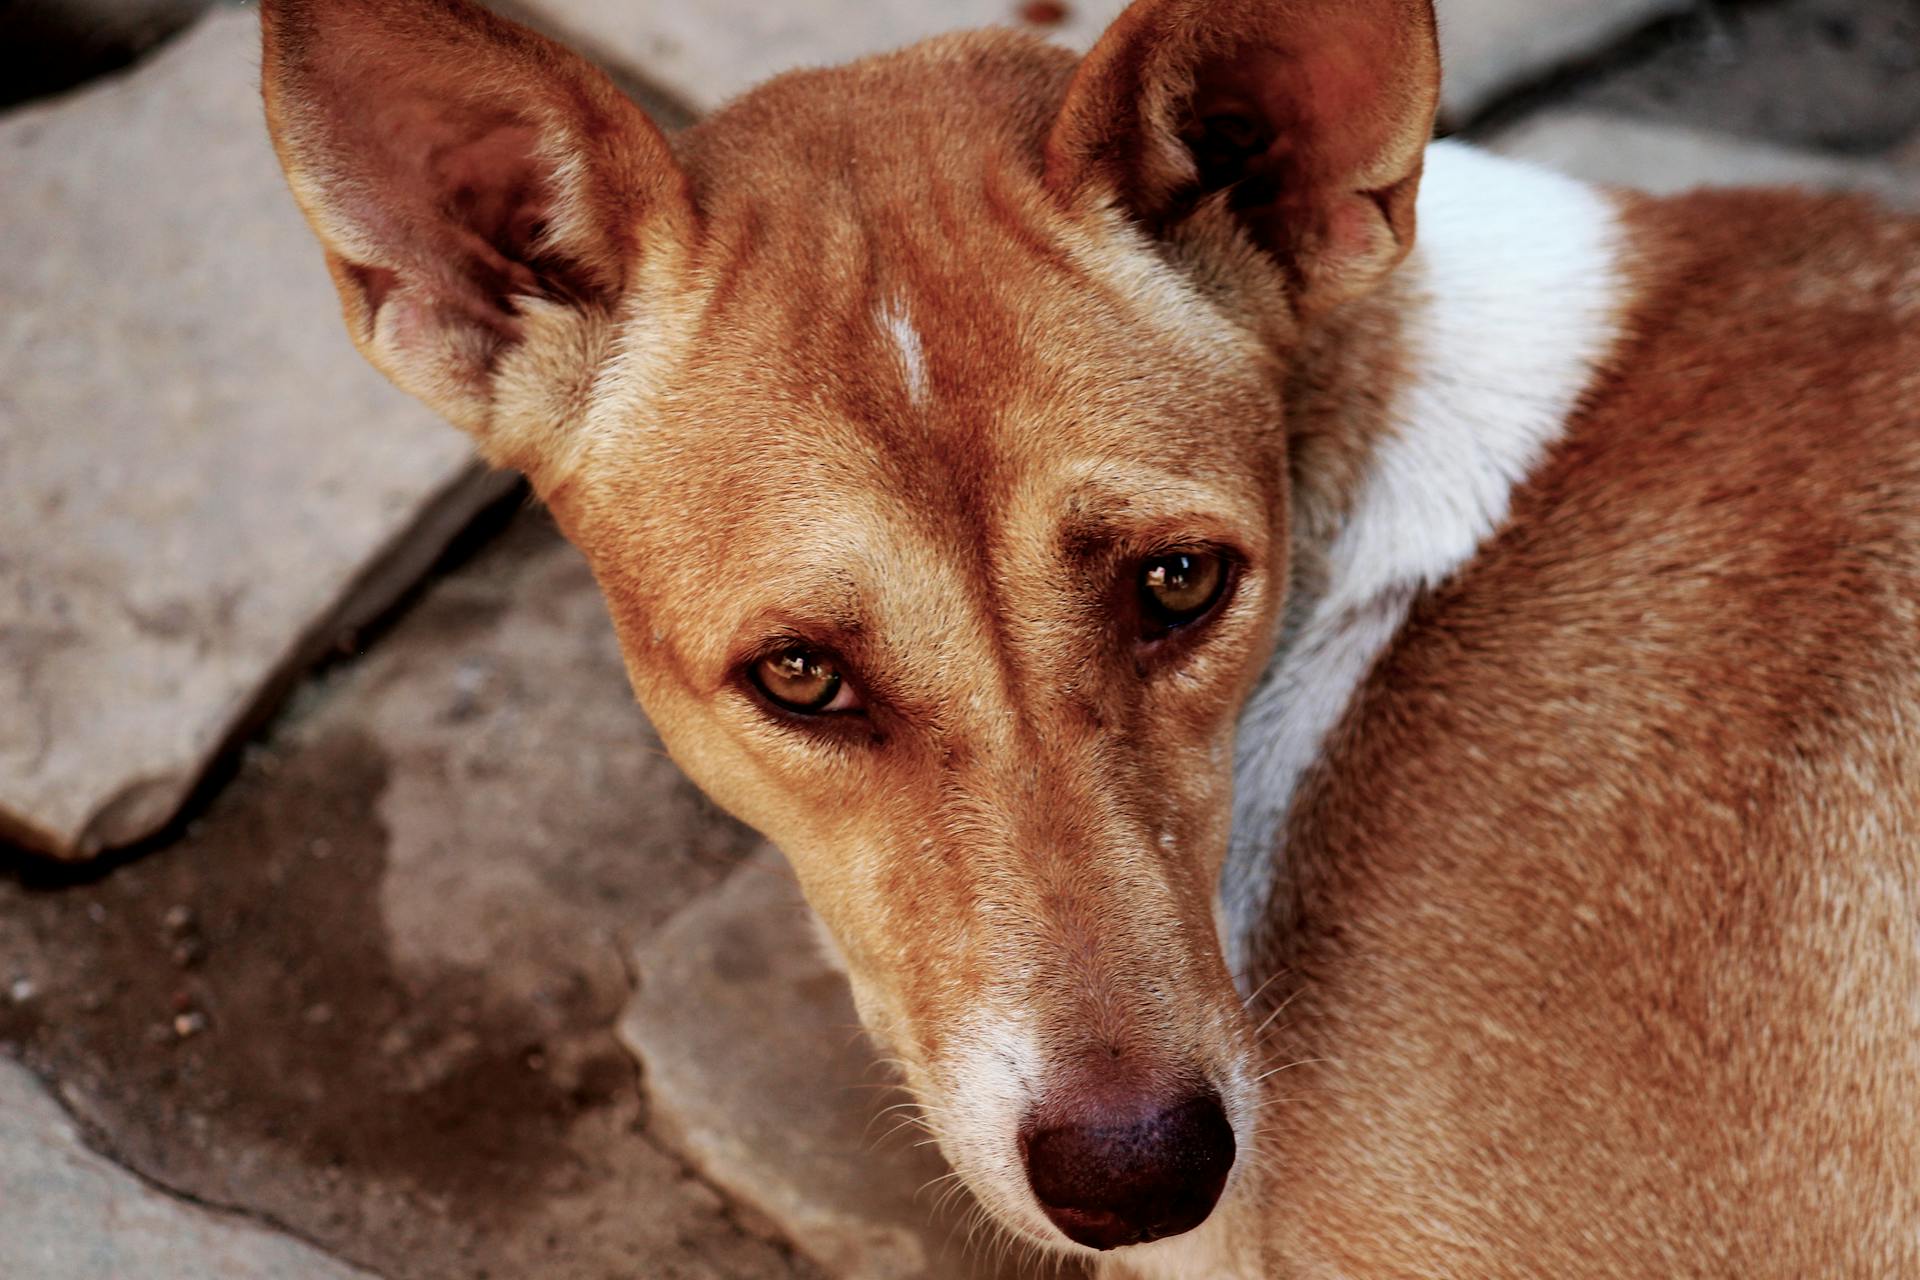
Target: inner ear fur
(482, 193)
(1308, 118)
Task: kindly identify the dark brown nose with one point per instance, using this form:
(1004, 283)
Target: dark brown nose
(1124, 1177)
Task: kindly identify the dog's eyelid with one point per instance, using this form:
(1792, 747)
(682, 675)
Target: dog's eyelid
(844, 700)
(1136, 541)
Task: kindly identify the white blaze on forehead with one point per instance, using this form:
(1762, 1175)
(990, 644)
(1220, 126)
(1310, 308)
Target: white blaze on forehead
(1520, 291)
(896, 323)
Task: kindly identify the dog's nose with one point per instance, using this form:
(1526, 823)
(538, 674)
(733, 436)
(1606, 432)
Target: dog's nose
(1122, 1178)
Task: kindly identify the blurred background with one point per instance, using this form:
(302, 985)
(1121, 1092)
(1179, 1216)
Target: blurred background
(351, 920)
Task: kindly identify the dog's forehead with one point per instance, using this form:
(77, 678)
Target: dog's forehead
(878, 447)
(900, 338)
(945, 393)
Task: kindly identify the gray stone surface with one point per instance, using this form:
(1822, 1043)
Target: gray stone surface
(1488, 46)
(760, 1075)
(1840, 75)
(1666, 159)
(370, 993)
(48, 45)
(706, 53)
(201, 483)
(68, 1214)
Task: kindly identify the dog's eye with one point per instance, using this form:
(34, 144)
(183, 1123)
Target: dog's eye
(1179, 588)
(802, 681)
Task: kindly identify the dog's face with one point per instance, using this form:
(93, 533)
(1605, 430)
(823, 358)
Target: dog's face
(951, 579)
(923, 423)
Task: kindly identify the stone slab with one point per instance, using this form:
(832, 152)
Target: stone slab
(1490, 46)
(706, 53)
(370, 991)
(1823, 75)
(201, 483)
(761, 1076)
(1666, 159)
(68, 1214)
(49, 45)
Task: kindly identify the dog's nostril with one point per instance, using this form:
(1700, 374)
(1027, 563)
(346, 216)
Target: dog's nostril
(1111, 1184)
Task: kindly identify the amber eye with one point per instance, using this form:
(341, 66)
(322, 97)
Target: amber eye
(801, 680)
(1177, 588)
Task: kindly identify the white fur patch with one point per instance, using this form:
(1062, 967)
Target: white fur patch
(894, 321)
(1519, 287)
(993, 1077)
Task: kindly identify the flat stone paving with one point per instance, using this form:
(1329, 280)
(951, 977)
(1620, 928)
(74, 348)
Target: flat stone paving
(388, 990)
(50, 1182)
(760, 1074)
(1666, 159)
(706, 53)
(202, 485)
(370, 995)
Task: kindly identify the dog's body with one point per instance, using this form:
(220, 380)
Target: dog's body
(1576, 864)
(1601, 893)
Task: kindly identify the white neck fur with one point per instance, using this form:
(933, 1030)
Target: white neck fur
(1517, 291)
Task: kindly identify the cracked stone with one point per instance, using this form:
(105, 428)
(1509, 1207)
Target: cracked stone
(760, 1077)
(704, 54)
(72, 1215)
(1665, 159)
(1491, 46)
(202, 485)
(407, 1053)
(1775, 71)
(48, 45)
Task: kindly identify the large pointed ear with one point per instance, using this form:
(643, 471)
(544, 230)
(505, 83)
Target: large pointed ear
(484, 197)
(1310, 118)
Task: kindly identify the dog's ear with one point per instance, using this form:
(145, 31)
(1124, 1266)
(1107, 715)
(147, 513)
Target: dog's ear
(483, 196)
(1309, 118)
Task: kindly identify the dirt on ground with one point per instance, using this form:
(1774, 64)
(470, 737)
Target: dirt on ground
(259, 1014)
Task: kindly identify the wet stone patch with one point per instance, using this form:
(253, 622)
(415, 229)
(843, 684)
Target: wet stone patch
(370, 994)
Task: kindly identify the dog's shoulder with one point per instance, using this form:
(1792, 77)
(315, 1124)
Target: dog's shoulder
(1634, 788)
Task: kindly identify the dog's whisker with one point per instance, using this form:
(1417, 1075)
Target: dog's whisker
(1251, 996)
(1278, 1009)
(1288, 1066)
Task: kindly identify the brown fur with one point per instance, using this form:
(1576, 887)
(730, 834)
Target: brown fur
(1598, 912)
(1603, 903)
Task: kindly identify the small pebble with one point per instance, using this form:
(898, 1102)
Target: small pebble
(23, 990)
(178, 920)
(190, 1023)
(189, 952)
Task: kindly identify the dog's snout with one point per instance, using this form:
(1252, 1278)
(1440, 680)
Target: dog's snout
(1129, 1175)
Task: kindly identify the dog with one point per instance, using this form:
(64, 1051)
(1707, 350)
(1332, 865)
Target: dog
(1351, 707)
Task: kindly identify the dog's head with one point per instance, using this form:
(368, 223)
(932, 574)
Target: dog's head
(923, 422)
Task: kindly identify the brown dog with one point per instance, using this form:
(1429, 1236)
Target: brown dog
(972, 440)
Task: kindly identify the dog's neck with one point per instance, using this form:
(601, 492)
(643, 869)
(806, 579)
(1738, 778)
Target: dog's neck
(1413, 417)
